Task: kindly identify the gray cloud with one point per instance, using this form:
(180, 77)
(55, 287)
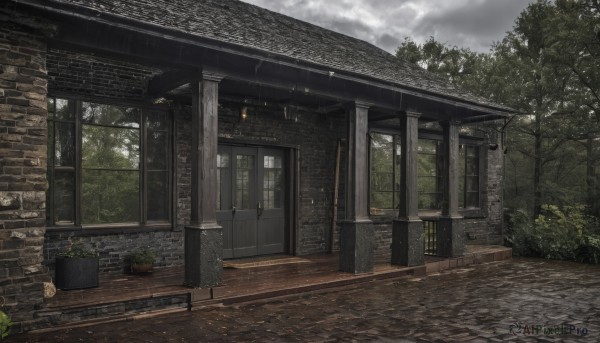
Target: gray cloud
(465, 23)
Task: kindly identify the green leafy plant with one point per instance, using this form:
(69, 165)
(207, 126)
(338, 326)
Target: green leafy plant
(141, 256)
(78, 250)
(5, 324)
(566, 233)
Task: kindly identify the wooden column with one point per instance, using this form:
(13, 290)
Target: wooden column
(450, 235)
(356, 236)
(408, 233)
(204, 237)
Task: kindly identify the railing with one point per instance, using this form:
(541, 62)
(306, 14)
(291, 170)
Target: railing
(430, 227)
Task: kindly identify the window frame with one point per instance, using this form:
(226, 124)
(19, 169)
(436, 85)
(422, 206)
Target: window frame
(470, 212)
(143, 224)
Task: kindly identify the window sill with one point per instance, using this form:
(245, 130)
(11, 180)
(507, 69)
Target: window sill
(100, 230)
(388, 215)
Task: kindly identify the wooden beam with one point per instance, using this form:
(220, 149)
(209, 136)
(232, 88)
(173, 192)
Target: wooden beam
(357, 163)
(450, 174)
(169, 80)
(205, 96)
(409, 196)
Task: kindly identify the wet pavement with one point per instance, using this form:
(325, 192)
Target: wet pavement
(521, 300)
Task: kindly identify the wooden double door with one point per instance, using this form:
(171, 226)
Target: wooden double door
(251, 200)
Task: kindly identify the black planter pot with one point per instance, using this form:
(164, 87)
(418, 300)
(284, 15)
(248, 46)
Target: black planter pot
(76, 273)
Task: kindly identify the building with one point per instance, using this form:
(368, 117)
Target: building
(130, 123)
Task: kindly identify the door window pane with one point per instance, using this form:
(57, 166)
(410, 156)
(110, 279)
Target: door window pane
(244, 177)
(110, 196)
(222, 179)
(272, 182)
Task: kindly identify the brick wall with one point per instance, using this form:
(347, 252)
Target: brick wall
(113, 248)
(315, 136)
(23, 183)
(84, 75)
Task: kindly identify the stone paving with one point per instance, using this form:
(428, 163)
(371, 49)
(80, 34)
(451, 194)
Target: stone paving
(520, 300)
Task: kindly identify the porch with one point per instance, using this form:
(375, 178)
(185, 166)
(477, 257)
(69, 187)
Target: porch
(123, 297)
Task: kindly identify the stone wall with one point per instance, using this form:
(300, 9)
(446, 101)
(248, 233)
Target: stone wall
(23, 84)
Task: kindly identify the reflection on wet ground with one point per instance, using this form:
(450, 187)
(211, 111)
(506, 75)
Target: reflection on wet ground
(525, 300)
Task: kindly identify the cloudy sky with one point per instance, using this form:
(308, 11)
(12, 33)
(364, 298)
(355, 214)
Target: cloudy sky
(465, 23)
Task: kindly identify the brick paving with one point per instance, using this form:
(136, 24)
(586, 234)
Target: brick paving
(544, 301)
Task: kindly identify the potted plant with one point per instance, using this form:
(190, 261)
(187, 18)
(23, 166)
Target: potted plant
(5, 322)
(141, 261)
(76, 268)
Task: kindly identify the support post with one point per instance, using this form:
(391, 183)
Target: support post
(356, 235)
(204, 237)
(450, 239)
(407, 233)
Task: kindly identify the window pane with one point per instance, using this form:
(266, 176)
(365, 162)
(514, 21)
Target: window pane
(472, 166)
(64, 197)
(64, 149)
(110, 148)
(430, 201)
(244, 179)
(223, 177)
(382, 171)
(50, 150)
(110, 115)
(472, 199)
(158, 195)
(157, 121)
(50, 102)
(157, 151)
(427, 184)
(469, 176)
(427, 165)
(110, 196)
(382, 200)
(427, 146)
(65, 110)
(472, 183)
(272, 182)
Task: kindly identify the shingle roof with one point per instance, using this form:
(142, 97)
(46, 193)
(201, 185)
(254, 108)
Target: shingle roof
(243, 24)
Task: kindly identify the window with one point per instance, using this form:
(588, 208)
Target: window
(385, 172)
(107, 164)
(430, 174)
(469, 176)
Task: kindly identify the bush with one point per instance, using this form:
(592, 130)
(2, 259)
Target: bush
(560, 234)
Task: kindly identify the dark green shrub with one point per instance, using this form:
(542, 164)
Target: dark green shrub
(560, 234)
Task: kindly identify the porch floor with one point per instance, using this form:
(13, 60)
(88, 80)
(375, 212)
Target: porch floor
(246, 284)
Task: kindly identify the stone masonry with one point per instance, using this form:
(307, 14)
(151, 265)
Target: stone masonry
(23, 85)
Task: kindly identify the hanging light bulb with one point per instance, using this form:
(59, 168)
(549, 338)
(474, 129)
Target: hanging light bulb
(243, 113)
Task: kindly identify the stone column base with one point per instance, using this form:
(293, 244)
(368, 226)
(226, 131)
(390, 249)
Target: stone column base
(408, 243)
(203, 256)
(450, 240)
(356, 247)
